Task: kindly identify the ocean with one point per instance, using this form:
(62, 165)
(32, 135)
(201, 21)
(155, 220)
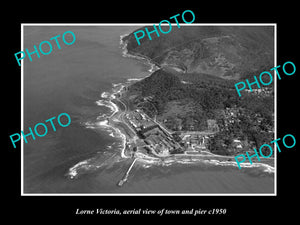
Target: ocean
(85, 157)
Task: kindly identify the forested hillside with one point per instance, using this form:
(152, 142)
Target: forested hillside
(192, 99)
(224, 51)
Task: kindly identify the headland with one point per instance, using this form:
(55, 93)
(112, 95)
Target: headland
(150, 141)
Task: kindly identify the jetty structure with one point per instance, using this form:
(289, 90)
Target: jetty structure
(124, 179)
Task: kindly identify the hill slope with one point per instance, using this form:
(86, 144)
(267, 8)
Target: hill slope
(203, 96)
(224, 51)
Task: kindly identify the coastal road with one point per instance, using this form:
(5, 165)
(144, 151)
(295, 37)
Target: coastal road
(120, 116)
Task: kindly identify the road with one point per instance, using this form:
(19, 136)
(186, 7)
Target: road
(122, 114)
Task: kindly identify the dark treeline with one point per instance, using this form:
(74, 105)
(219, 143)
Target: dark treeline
(210, 96)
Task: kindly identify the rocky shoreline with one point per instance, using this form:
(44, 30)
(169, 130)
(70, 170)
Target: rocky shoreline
(109, 99)
(176, 158)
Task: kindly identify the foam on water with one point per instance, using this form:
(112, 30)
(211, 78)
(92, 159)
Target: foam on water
(101, 122)
(104, 160)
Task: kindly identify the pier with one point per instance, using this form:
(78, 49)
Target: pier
(124, 179)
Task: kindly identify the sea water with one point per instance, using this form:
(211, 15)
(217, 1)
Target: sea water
(85, 157)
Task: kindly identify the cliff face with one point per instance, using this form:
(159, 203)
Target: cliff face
(228, 51)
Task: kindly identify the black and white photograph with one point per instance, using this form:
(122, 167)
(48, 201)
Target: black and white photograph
(136, 111)
(158, 116)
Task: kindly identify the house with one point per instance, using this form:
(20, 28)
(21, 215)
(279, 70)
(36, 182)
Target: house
(237, 144)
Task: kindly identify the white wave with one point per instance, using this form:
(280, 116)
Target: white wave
(123, 45)
(112, 106)
(73, 171)
(105, 95)
(89, 125)
(269, 169)
(117, 85)
(102, 123)
(91, 164)
(146, 166)
(167, 162)
(266, 168)
(112, 134)
(101, 102)
(102, 117)
(118, 88)
(134, 79)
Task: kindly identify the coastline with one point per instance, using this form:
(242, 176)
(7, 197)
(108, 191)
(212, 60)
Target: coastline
(110, 100)
(176, 158)
(141, 58)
